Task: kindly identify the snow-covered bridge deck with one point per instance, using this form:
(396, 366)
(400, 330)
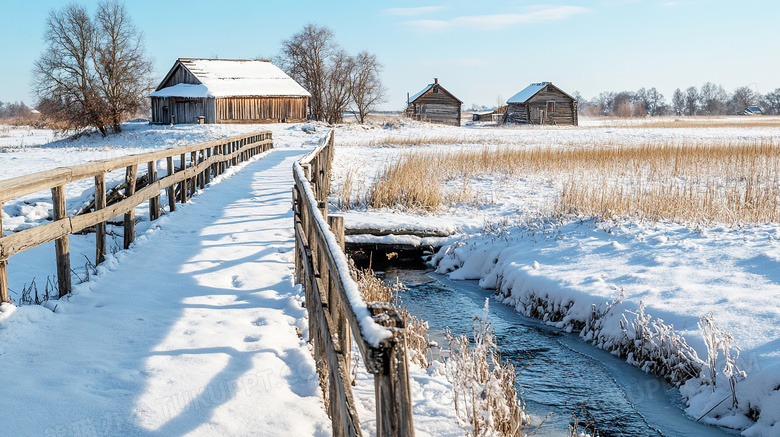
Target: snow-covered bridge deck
(193, 331)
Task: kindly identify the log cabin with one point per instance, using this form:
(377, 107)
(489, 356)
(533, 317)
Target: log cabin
(542, 103)
(228, 91)
(434, 104)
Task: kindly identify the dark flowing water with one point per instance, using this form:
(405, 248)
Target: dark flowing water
(561, 374)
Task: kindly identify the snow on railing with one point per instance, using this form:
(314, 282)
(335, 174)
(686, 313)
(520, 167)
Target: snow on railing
(336, 307)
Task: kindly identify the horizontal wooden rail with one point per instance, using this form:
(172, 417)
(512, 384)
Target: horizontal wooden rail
(338, 313)
(207, 160)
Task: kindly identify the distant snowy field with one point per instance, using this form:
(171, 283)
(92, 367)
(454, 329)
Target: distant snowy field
(679, 272)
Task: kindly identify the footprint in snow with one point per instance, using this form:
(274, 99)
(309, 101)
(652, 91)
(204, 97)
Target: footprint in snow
(237, 282)
(251, 339)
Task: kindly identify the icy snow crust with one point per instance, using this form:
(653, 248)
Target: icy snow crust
(559, 271)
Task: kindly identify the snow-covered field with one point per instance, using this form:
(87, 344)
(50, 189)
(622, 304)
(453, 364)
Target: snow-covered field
(560, 269)
(680, 272)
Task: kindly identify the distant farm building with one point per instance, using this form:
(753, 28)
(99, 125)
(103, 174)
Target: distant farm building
(434, 104)
(228, 91)
(753, 110)
(494, 114)
(541, 103)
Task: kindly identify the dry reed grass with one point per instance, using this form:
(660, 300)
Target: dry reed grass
(376, 290)
(728, 182)
(487, 396)
(689, 122)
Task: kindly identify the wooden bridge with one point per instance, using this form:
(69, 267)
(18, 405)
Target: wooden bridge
(338, 314)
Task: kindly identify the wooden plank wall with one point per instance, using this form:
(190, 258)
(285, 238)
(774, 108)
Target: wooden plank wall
(206, 160)
(261, 109)
(332, 320)
(181, 75)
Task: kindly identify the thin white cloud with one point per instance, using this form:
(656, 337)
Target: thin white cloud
(412, 11)
(498, 21)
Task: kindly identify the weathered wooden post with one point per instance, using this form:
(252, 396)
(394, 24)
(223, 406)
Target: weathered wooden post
(61, 245)
(194, 179)
(154, 202)
(3, 266)
(172, 188)
(183, 183)
(202, 174)
(100, 228)
(393, 396)
(209, 169)
(130, 177)
(344, 332)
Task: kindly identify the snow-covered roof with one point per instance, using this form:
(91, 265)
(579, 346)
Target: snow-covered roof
(527, 93)
(487, 111)
(424, 90)
(234, 78)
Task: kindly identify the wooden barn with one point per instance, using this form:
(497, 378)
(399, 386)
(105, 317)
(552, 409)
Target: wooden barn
(228, 91)
(542, 103)
(434, 104)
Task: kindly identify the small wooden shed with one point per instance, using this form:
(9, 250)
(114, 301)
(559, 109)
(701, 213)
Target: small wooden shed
(228, 91)
(434, 104)
(494, 114)
(542, 103)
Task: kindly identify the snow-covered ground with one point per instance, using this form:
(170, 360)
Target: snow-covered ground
(679, 272)
(197, 329)
(225, 271)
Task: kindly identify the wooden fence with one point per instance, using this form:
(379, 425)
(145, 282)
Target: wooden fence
(206, 160)
(338, 313)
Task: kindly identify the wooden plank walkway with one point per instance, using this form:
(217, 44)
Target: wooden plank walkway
(194, 331)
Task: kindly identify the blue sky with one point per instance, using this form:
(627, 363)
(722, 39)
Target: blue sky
(481, 50)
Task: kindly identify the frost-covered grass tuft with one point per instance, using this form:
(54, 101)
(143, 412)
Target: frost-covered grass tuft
(485, 388)
(376, 290)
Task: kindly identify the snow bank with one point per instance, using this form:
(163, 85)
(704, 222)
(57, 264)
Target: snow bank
(638, 290)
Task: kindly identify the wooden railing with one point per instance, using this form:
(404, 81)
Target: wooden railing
(206, 160)
(338, 313)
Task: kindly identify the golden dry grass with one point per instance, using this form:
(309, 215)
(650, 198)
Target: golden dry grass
(374, 289)
(728, 182)
(689, 122)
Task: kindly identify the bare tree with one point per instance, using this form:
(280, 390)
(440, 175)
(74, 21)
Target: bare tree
(315, 60)
(121, 65)
(772, 102)
(742, 98)
(367, 90)
(678, 102)
(338, 85)
(93, 71)
(691, 101)
(64, 71)
(304, 56)
(713, 99)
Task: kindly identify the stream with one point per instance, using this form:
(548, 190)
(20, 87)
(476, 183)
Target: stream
(561, 374)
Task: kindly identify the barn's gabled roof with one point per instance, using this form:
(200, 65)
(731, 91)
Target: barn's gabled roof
(231, 78)
(532, 90)
(429, 87)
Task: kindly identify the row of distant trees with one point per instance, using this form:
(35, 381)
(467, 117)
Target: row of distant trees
(14, 110)
(709, 99)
